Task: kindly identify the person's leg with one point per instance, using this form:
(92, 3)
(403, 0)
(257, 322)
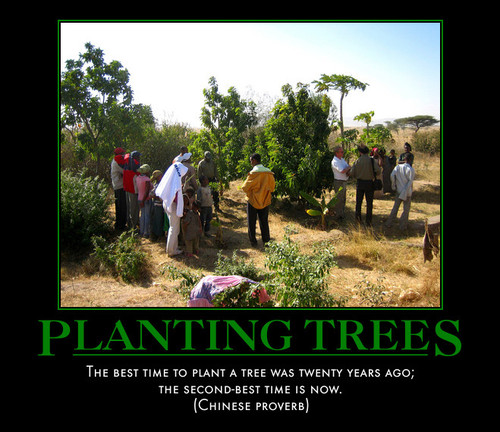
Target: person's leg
(173, 232)
(264, 224)
(251, 222)
(360, 193)
(120, 209)
(403, 220)
(369, 192)
(394, 213)
(341, 197)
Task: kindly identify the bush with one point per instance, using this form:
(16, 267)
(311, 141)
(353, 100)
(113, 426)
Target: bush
(427, 142)
(235, 266)
(84, 203)
(301, 279)
(242, 295)
(122, 257)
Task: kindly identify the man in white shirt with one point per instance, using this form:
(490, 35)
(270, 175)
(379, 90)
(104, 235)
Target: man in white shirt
(402, 177)
(340, 170)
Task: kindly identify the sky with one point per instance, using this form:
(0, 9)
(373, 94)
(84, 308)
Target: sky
(170, 63)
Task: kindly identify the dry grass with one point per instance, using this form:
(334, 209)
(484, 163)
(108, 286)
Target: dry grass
(386, 259)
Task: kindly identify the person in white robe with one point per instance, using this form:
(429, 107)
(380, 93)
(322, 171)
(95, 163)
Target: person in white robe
(170, 191)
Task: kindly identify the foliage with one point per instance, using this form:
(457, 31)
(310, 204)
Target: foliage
(367, 118)
(244, 295)
(322, 205)
(236, 265)
(297, 145)
(96, 105)
(301, 279)
(427, 142)
(188, 279)
(375, 294)
(225, 118)
(417, 122)
(241, 295)
(83, 210)
(161, 144)
(378, 137)
(122, 256)
(342, 83)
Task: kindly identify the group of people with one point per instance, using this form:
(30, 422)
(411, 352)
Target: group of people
(395, 175)
(180, 202)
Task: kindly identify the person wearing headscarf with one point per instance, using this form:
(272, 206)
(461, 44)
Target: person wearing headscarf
(169, 190)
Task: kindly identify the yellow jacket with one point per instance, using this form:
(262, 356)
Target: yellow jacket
(258, 186)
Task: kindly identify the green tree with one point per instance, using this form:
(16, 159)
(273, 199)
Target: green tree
(96, 101)
(297, 143)
(226, 118)
(367, 118)
(417, 122)
(342, 83)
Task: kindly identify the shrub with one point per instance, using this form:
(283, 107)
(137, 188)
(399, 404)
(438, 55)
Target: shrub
(243, 295)
(235, 265)
(83, 208)
(375, 294)
(122, 257)
(427, 142)
(188, 279)
(301, 279)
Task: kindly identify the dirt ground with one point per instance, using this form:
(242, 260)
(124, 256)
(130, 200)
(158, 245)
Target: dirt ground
(387, 258)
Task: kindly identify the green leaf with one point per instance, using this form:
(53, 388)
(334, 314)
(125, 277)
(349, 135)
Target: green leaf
(312, 212)
(333, 201)
(310, 199)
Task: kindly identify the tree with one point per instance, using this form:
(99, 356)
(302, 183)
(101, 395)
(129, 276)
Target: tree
(367, 118)
(96, 100)
(342, 83)
(418, 121)
(297, 143)
(226, 118)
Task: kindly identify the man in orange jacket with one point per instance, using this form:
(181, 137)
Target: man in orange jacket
(258, 187)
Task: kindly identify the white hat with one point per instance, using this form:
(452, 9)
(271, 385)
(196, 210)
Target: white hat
(185, 157)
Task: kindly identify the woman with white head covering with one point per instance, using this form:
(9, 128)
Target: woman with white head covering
(170, 191)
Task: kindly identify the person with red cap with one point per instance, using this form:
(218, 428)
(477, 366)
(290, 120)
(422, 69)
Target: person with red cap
(117, 165)
(132, 163)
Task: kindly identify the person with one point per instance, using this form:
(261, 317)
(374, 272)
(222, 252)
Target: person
(157, 212)
(204, 196)
(132, 163)
(258, 187)
(191, 196)
(117, 165)
(388, 166)
(364, 170)
(190, 178)
(191, 227)
(169, 191)
(183, 150)
(207, 167)
(341, 171)
(407, 154)
(143, 187)
(402, 182)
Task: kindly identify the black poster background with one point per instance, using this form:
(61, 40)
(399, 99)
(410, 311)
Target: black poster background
(61, 393)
